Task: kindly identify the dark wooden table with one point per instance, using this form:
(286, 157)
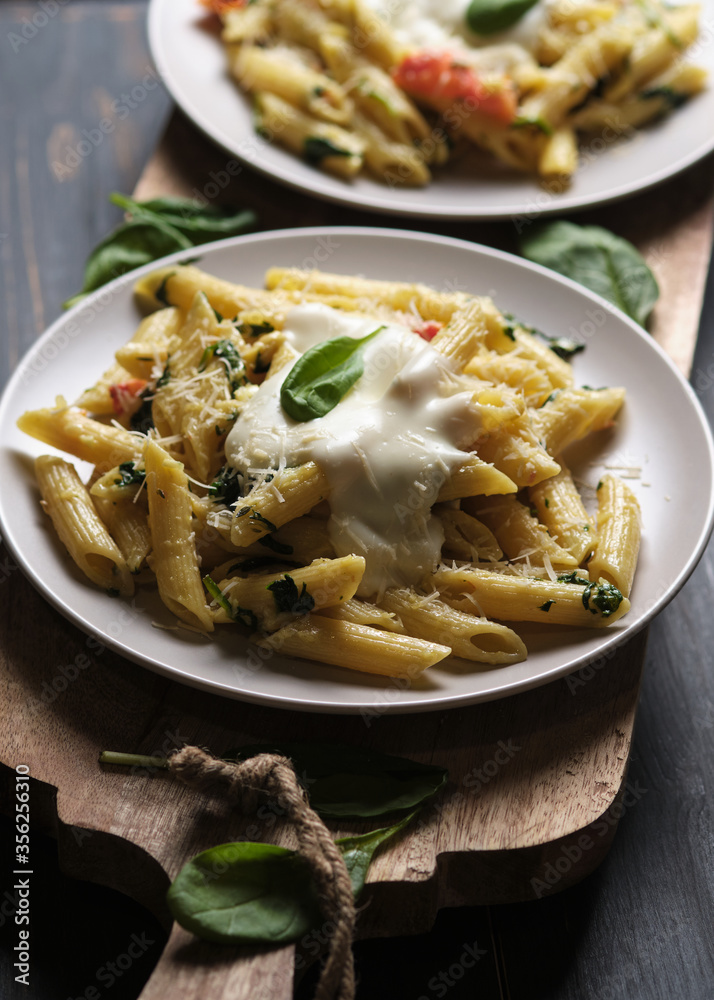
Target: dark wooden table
(641, 928)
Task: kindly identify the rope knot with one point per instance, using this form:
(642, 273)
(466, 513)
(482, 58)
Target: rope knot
(270, 777)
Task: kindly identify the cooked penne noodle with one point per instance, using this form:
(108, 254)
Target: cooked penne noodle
(69, 505)
(173, 557)
(519, 534)
(514, 598)
(356, 647)
(323, 584)
(618, 539)
(560, 508)
(288, 495)
(128, 524)
(468, 637)
(70, 429)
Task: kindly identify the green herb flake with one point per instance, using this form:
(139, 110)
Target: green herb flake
(286, 596)
(317, 149)
(538, 123)
(161, 494)
(547, 606)
(129, 475)
(605, 597)
(259, 519)
(547, 502)
(672, 99)
(165, 377)
(275, 546)
(260, 367)
(161, 293)
(227, 486)
(254, 329)
(572, 577)
(244, 616)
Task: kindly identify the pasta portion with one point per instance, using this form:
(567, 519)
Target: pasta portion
(363, 473)
(352, 85)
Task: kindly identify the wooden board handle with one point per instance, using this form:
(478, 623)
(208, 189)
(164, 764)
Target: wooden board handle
(194, 970)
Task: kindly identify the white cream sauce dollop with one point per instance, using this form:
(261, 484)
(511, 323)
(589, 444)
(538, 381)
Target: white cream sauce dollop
(386, 448)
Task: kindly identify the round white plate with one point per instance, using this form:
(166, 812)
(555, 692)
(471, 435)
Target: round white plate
(192, 63)
(662, 431)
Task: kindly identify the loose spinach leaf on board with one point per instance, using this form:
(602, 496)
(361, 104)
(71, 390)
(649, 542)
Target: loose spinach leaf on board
(320, 378)
(486, 17)
(156, 228)
(199, 221)
(128, 247)
(358, 851)
(245, 893)
(344, 781)
(598, 259)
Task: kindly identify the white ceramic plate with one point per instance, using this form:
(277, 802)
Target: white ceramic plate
(662, 430)
(192, 64)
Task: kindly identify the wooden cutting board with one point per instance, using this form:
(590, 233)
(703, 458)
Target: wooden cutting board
(537, 782)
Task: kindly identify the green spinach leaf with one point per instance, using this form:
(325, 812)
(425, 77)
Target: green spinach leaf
(358, 851)
(316, 149)
(129, 475)
(598, 259)
(156, 228)
(288, 598)
(245, 893)
(486, 17)
(344, 781)
(198, 221)
(320, 378)
(128, 247)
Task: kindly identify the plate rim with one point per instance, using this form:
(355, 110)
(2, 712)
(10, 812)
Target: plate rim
(354, 198)
(435, 703)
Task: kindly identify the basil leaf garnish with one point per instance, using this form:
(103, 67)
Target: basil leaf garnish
(486, 17)
(344, 781)
(598, 259)
(320, 378)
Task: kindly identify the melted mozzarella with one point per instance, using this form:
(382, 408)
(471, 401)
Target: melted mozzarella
(386, 448)
(437, 24)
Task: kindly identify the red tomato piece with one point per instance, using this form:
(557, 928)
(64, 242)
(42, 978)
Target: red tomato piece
(428, 330)
(124, 395)
(441, 77)
(221, 6)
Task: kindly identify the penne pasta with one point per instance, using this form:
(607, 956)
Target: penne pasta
(66, 500)
(360, 472)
